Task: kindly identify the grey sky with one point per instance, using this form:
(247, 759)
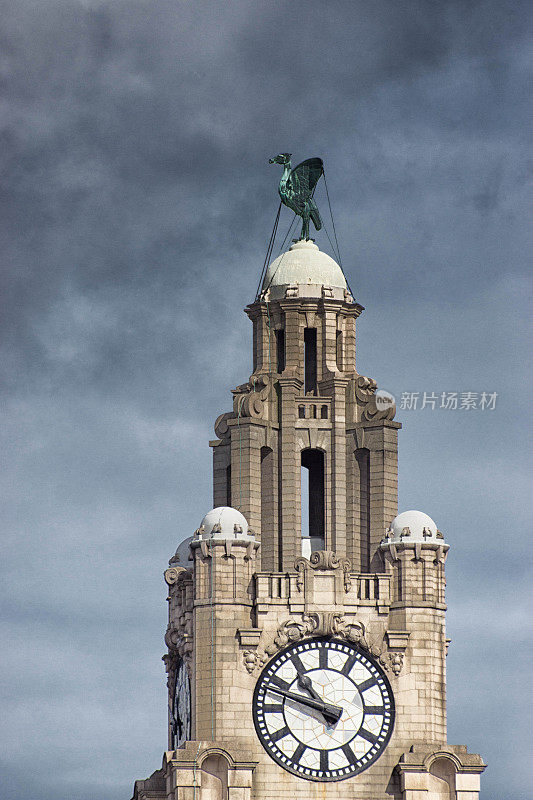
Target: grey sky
(137, 202)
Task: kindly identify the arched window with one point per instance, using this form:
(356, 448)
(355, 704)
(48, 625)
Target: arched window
(313, 501)
(441, 782)
(214, 778)
(280, 349)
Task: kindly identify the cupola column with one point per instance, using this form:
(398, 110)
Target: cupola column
(330, 368)
(336, 474)
(246, 439)
(294, 339)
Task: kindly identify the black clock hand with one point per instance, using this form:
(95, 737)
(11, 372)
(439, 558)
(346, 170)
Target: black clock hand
(305, 682)
(330, 713)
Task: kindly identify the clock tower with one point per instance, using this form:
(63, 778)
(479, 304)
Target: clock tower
(306, 636)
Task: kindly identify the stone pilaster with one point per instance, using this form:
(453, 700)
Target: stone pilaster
(381, 440)
(246, 439)
(289, 467)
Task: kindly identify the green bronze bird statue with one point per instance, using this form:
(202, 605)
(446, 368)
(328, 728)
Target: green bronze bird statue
(297, 186)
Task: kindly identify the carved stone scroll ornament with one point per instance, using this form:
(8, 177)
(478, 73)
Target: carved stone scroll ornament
(365, 394)
(179, 638)
(250, 398)
(222, 429)
(323, 623)
(172, 574)
(322, 560)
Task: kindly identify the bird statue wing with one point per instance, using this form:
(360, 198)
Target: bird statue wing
(304, 177)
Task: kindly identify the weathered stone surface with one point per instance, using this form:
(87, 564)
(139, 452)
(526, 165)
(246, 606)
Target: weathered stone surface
(237, 604)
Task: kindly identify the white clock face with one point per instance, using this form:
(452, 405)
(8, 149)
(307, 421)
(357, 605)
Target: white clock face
(323, 709)
(181, 706)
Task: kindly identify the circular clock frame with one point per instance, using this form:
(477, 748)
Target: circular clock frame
(341, 675)
(181, 705)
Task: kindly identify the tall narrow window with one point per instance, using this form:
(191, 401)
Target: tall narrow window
(267, 501)
(280, 349)
(338, 343)
(228, 485)
(310, 360)
(362, 457)
(313, 501)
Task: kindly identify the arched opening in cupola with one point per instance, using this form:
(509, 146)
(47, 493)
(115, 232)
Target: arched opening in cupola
(362, 488)
(313, 504)
(280, 349)
(267, 498)
(310, 361)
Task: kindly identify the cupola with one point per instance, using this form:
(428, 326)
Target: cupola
(304, 271)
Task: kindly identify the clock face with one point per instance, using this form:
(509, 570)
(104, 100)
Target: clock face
(323, 709)
(181, 706)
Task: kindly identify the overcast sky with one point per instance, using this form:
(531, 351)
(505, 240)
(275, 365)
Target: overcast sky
(137, 203)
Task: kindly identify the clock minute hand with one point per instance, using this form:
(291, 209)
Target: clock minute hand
(331, 713)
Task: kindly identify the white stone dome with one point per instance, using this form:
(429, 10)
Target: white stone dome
(223, 522)
(182, 556)
(413, 526)
(305, 266)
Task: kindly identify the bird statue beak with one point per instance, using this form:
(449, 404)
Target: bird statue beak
(271, 160)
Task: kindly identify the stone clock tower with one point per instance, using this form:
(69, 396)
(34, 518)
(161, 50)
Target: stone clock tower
(306, 658)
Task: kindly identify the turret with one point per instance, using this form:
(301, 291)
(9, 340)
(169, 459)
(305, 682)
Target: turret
(416, 551)
(306, 410)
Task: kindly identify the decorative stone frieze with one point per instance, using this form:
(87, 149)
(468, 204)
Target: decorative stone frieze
(323, 623)
(391, 550)
(227, 545)
(323, 560)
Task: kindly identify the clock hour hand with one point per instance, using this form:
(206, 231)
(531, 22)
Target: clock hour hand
(330, 713)
(305, 682)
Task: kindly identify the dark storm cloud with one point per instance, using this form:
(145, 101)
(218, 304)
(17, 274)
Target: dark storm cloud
(136, 204)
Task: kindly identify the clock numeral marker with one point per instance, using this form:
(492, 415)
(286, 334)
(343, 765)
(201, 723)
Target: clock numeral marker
(364, 734)
(273, 708)
(298, 666)
(298, 753)
(367, 684)
(279, 734)
(324, 760)
(323, 662)
(350, 661)
(374, 710)
(279, 682)
(349, 753)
